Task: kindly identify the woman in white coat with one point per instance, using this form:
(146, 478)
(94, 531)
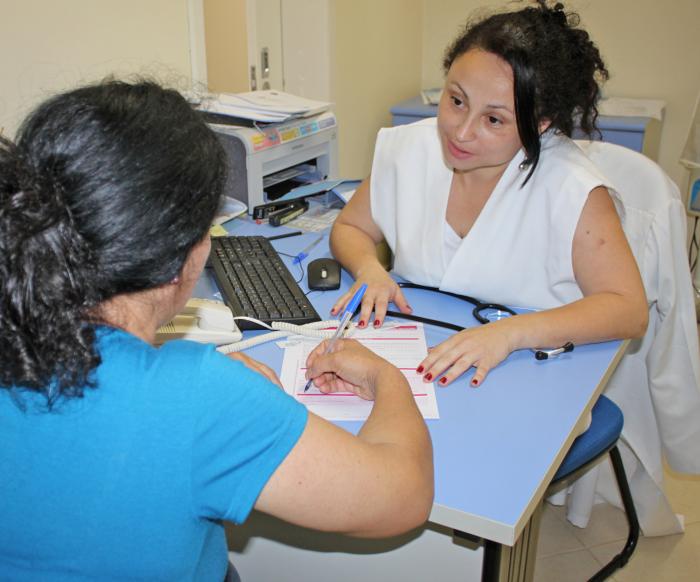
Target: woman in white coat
(494, 200)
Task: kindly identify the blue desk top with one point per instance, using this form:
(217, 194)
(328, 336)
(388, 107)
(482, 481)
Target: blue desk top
(415, 107)
(496, 447)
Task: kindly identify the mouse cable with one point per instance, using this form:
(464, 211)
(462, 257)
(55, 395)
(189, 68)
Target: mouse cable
(280, 329)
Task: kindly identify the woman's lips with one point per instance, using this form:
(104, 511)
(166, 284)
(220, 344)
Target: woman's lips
(457, 152)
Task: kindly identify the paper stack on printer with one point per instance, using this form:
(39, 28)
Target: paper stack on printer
(265, 106)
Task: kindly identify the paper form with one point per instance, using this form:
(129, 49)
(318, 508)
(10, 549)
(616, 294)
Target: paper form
(402, 344)
(318, 218)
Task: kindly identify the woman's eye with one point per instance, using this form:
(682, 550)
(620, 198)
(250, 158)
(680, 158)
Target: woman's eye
(457, 101)
(494, 120)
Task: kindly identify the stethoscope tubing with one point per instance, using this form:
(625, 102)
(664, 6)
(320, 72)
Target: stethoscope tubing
(540, 354)
(426, 320)
(479, 306)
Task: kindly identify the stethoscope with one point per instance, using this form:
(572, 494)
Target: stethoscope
(482, 312)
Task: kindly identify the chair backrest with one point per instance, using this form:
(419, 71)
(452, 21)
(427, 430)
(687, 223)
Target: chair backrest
(646, 192)
(666, 359)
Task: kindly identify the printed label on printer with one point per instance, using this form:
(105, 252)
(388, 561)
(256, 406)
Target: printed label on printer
(290, 134)
(265, 139)
(309, 128)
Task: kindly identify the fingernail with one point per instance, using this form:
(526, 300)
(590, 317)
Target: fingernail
(475, 382)
(443, 380)
(377, 322)
(420, 369)
(361, 324)
(407, 305)
(333, 311)
(428, 377)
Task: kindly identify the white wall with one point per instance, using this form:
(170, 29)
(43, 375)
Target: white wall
(383, 51)
(47, 46)
(377, 63)
(650, 48)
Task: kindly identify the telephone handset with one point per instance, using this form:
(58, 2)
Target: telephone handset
(201, 320)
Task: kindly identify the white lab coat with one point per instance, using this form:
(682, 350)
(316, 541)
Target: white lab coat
(518, 252)
(657, 383)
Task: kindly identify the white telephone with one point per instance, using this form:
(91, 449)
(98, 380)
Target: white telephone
(201, 320)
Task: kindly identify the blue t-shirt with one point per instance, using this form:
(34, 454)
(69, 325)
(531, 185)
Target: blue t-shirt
(130, 481)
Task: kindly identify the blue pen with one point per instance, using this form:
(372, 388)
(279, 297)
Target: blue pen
(305, 252)
(344, 320)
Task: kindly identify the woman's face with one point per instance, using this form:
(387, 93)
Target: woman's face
(476, 116)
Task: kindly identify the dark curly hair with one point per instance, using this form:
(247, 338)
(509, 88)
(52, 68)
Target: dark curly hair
(105, 192)
(556, 69)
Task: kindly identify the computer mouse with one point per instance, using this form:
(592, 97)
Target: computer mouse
(323, 274)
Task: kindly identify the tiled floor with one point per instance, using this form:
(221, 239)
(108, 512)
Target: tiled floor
(569, 554)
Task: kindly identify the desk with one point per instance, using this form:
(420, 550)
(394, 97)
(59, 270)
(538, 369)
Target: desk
(641, 134)
(496, 449)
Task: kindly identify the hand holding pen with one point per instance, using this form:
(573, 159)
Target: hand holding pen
(344, 321)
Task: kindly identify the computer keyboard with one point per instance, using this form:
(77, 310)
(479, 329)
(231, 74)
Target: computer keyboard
(255, 282)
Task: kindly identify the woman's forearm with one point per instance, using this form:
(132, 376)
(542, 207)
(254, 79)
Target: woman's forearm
(596, 318)
(397, 432)
(353, 248)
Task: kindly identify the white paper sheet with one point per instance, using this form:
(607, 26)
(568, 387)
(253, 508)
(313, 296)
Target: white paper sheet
(403, 344)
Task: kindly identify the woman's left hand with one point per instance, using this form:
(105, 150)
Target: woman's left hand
(256, 366)
(482, 347)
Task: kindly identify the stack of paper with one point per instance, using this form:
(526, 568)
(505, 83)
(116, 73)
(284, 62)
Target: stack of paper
(627, 107)
(401, 343)
(431, 96)
(264, 106)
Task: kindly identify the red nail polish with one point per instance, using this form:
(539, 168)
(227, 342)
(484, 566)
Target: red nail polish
(420, 369)
(428, 377)
(475, 382)
(361, 324)
(377, 322)
(443, 380)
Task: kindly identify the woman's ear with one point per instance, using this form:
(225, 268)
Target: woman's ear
(543, 125)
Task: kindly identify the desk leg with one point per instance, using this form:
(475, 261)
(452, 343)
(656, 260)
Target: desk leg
(512, 564)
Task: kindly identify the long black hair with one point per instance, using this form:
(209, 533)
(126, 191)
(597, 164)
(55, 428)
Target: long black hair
(106, 190)
(556, 69)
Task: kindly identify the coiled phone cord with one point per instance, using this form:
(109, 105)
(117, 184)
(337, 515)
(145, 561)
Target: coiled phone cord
(280, 329)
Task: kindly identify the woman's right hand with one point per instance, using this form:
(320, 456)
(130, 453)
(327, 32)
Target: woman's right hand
(381, 290)
(349, 367)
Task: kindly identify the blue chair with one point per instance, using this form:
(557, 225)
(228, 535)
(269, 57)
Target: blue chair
(587, 450)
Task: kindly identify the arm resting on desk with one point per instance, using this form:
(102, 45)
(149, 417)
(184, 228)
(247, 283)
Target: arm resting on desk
(613, 304)
(378, 483)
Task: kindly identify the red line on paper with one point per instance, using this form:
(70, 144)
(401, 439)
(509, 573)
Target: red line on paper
(346, 394)
(383, 339)
(329, 394)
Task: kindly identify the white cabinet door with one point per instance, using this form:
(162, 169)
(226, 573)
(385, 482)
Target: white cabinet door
(265, 44)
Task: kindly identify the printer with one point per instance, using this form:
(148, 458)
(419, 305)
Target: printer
(263, 158)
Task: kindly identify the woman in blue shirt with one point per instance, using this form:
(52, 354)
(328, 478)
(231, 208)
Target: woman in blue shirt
(120, 460)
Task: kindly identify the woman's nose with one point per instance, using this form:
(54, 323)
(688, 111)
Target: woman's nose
(466, 130)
